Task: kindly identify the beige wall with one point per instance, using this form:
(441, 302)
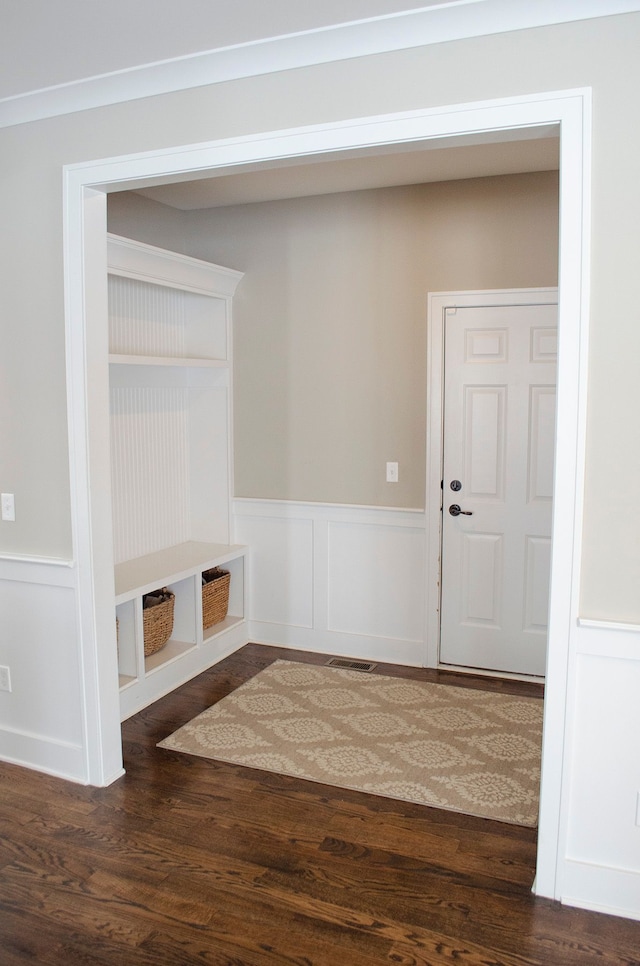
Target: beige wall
(601, 54)
(135, 216)
(330, 319)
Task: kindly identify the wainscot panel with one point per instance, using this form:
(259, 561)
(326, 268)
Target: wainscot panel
(40, 721)
(344, 580)
(376, 577)
(602, 868)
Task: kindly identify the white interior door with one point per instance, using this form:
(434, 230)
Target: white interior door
(499, 428)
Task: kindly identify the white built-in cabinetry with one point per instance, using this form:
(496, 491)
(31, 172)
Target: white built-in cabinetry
(170, 411)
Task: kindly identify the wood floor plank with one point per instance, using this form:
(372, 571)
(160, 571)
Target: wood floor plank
(190, 861)
(42, 914)
(491, 854)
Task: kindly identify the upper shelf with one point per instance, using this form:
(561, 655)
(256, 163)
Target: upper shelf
(120, 359)
(166, 309)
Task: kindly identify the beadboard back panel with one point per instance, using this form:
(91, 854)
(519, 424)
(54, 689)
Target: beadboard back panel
(162, 321)
(170, 392)
(169, 467)
(149, 469)
(158, 314)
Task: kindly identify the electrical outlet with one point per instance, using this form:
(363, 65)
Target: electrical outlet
(392, 472)
(5, 678)
(8, 507)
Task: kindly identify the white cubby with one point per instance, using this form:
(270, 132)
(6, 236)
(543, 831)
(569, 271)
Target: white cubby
(170, 386)
(236, 567)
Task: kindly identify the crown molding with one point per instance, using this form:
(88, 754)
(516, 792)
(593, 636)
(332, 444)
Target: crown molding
(401, 31)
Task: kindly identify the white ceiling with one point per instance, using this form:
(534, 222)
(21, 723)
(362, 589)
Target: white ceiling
(444, 160)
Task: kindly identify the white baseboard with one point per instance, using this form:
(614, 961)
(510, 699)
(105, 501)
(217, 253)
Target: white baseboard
(340, 645)
(59, 758)
(599, 888)
(164, 680)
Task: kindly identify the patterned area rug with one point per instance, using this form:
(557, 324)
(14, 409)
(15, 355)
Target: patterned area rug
(472, 751)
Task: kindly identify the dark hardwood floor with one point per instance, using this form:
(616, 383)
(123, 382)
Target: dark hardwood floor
(190, 861)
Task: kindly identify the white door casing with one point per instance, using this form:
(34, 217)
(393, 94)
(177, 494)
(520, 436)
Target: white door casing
(85, 184)
(498, 448)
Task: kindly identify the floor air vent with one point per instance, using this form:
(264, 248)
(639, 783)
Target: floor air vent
(351, 665)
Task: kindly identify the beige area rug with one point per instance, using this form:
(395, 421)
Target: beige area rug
(472, 751)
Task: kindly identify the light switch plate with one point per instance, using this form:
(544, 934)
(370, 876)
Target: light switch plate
(8, 507)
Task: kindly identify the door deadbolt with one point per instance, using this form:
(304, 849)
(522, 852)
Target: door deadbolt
(455, 485)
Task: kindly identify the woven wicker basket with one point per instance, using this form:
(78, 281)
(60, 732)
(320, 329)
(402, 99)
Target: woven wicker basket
(157, 621)
(215, 596)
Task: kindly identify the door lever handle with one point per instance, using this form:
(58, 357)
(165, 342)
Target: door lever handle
(455, 511)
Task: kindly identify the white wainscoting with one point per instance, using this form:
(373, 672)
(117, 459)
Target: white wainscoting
(343, 580)
(602, 865)
(40, 718)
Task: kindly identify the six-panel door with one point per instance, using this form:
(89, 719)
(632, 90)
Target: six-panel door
(499, 423)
